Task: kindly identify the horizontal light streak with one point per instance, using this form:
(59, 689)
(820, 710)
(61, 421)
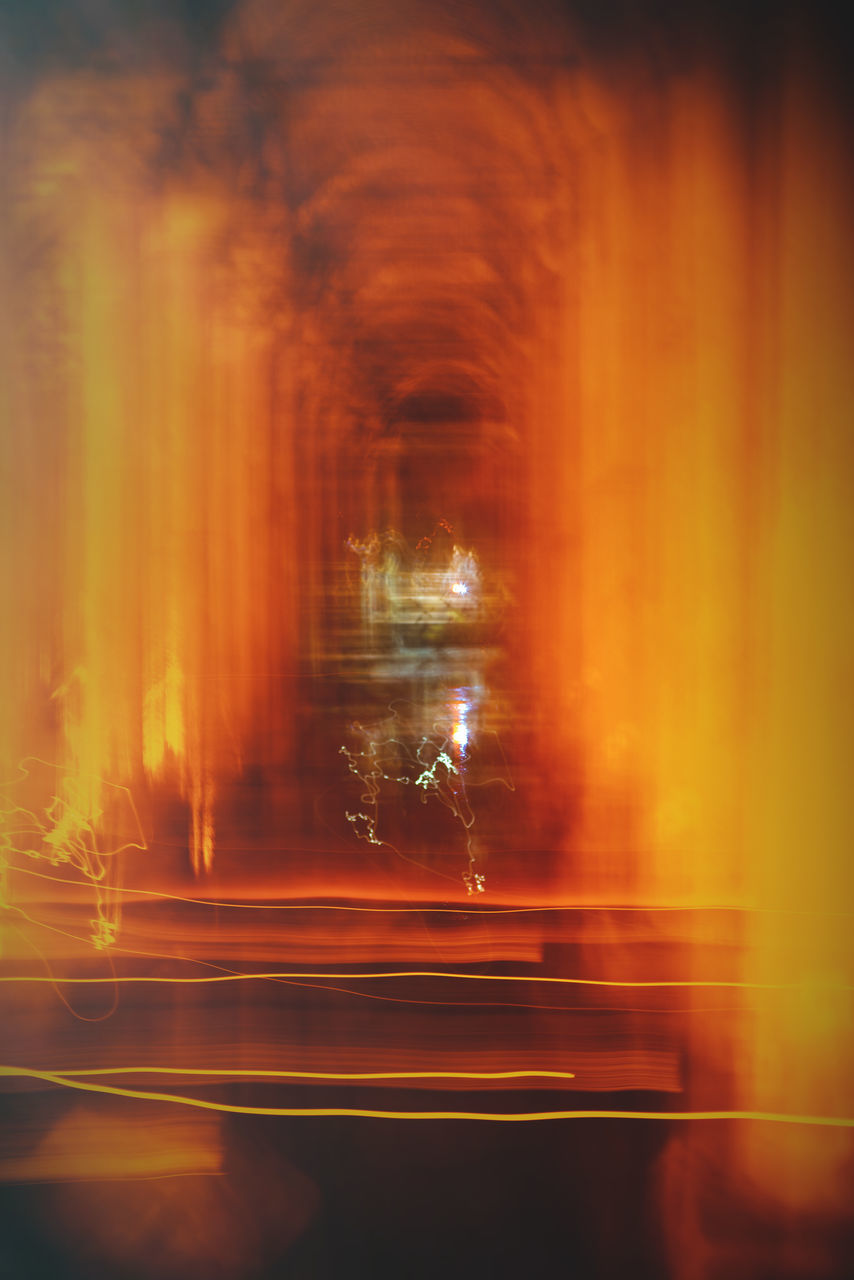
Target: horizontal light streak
(253, 1073)
(426, 909)
(424, 973)
(774, 1117)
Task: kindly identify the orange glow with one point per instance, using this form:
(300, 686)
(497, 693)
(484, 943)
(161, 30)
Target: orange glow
(425, 556)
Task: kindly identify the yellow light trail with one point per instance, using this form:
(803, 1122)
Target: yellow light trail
(428, 909)
(251, 1073)
(774, 1117)
(424, 973)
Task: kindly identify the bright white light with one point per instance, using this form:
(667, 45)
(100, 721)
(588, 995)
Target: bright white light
(459, 588)
(460, 734)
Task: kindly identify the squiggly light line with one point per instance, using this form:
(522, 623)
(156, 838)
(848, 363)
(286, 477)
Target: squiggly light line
(442, 778)
(64, 831)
